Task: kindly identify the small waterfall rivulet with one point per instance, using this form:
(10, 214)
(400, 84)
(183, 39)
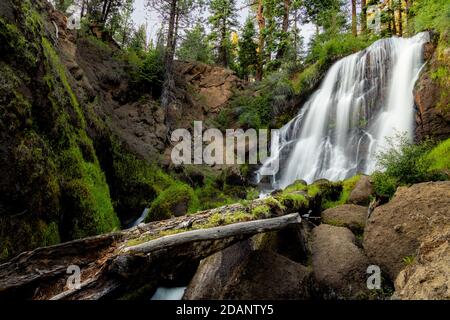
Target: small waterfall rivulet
(364, 98)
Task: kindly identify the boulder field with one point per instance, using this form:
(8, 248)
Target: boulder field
(407, 238)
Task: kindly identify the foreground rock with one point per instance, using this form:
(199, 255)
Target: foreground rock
(339, 266)
(429, 276)
(361, 192)
(215, 271)
(395, 230)
(348, 215)
(266, 275)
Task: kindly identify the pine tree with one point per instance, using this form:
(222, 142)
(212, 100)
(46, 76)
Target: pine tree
(223, 20)
(195, 46)
(247, 49)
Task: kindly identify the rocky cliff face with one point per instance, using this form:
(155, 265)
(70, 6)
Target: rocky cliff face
(431, 93)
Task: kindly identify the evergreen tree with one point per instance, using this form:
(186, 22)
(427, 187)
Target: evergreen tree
(195, 46)
(223, 20)
(247, 49)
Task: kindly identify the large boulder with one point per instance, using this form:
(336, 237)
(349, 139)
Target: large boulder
(215, 271)
(339, 266)
(361, 192)
(429, 276)
(348, 215)
(245, 271)
(266, 275)
(394, 230)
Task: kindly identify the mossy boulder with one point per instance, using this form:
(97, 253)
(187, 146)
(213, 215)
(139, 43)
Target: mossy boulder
(177, 200)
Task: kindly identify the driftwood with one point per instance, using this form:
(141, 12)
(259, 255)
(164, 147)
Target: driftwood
(111, 268)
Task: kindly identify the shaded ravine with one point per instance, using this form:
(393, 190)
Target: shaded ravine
(364, 98)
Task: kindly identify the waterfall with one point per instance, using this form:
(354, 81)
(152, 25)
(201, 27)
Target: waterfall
(364, 98)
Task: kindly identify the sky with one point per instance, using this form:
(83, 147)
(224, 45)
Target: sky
(143, 15)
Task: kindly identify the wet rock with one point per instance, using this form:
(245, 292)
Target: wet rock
(394, 230)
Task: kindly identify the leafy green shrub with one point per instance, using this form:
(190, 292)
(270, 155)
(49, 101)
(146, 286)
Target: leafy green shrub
(147, 71)
(176, 200)
(253, 112)
(406, 161)
(384, 185)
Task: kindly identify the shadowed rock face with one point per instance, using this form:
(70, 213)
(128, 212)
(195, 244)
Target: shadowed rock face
(339, 266)
(433, 116)
(395, 230)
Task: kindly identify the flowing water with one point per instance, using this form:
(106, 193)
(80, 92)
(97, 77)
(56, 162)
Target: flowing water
(364, 98)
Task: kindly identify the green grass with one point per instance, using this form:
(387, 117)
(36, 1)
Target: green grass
(439, 156)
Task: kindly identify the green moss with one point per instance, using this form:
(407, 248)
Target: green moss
(59, 74)
(261, 211)
(296, 186)
(294, 201)
(14, 45)
(177, 199)
(347, 186)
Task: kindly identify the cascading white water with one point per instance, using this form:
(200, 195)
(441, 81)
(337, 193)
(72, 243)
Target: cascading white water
(364, 98)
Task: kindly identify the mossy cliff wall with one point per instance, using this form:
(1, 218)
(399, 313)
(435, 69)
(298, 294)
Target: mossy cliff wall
(52, 187)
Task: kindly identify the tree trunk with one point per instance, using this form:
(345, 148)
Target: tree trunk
(168, 86)
(394, 25)
(363, 16)
(354, 19)
(111, 268)
(400, 22)
(261, 42)
(285, 28)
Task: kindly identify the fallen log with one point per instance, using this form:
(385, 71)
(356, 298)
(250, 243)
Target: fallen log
(159, 258)
(110, 267)
(242, 229)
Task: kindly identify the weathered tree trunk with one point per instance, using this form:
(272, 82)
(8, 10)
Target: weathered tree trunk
(261, 42)
(115, 264)
(109, 268)
(285, 28)
(223, 55)
(354, 19)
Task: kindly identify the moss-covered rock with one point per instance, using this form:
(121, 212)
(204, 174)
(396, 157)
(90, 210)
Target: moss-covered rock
(177, 200)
